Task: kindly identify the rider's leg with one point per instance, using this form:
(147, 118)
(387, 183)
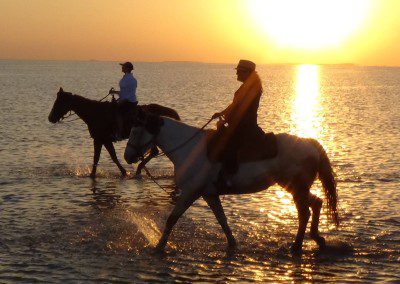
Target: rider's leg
(215, 204)
(111, 150)
(119, 127)
(96, 156)
(228, 168)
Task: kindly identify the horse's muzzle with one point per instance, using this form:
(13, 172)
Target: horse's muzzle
(51, 117)
(129, 159)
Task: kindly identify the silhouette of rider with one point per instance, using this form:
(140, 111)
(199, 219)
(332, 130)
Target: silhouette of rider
(127, 97)
(241, 119)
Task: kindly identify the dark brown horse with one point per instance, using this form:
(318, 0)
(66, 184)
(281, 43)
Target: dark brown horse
(100, 119)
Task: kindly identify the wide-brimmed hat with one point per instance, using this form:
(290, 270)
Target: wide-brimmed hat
(246, 65)
(128, 65)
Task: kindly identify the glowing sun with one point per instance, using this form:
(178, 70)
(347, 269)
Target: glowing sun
(309, 24)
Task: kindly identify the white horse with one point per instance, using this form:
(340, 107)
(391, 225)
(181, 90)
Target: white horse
(295, 168)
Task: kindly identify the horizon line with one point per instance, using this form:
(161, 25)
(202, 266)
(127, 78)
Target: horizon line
(202, 62)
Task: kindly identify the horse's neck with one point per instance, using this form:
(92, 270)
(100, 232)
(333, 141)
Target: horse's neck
(82, 107)
(178, 140)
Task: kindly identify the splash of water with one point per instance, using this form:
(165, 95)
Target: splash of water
(146, 226)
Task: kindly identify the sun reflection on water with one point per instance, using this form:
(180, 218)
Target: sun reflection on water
(306, 105)
(306, 121)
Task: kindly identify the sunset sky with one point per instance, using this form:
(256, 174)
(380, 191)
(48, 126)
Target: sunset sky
(365, 32)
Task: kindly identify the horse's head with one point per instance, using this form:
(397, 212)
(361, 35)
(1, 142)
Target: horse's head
(142, 137)
(61, 106)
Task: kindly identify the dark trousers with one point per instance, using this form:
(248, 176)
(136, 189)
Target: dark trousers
(124, 116)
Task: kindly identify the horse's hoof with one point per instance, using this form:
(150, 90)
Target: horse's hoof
(161, 245)
(158, 251)
(321, 243)
(232, 244)
(138, 171)
(296, 249)
(319, 240)
(92, 176)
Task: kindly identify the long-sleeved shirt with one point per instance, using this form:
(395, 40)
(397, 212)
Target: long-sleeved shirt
(128, 85)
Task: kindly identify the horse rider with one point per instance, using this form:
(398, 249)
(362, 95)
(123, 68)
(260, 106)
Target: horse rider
(239, 120)
(127, 96)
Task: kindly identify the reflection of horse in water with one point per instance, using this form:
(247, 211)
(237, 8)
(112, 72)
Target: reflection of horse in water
(100, 119)
(295, 167)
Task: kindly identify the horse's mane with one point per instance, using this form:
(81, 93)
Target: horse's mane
(179, 122)
(87, 100)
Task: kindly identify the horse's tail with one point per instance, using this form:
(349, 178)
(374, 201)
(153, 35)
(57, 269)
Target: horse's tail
(326, 176)
(161, 110)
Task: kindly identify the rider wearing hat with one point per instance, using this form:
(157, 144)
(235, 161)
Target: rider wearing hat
(127, 84)
(127, 96)
(241, 119)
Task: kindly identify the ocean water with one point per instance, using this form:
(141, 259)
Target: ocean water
(58, 225)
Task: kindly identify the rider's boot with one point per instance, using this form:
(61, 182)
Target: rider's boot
(228, 170)
(119, 128)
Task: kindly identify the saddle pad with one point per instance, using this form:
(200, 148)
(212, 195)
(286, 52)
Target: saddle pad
(257, 146)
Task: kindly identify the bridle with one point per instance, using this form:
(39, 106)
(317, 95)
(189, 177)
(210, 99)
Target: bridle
(66, 115)
(140, 154)
(139, 148)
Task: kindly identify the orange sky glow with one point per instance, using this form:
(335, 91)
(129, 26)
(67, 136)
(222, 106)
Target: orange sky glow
(365, 32)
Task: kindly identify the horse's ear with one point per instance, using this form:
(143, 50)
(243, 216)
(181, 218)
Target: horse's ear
(61, 90)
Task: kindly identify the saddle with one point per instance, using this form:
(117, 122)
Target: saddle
(256, 146)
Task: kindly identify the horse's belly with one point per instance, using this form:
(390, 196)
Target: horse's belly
(236, 189)
(252, 178)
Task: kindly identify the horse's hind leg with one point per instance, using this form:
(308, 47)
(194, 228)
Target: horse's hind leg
(183, 203)
(316, 205)
(215, 204)
(300, 196)
(110, 148)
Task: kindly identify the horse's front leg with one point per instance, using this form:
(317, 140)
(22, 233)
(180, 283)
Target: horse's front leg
(96, 156)
(183, 203)
(111, 150)
(215, 204)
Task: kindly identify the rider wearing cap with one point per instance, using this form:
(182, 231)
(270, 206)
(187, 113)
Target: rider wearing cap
(127, 84)
(127, 96)
(241, 119)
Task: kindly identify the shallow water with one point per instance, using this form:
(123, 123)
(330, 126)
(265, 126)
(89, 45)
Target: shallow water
(57, 224)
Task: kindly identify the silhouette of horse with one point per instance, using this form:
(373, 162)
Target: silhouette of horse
(295, 167)
(100, 119)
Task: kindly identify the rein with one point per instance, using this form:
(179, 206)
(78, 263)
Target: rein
(66, 116)
(184, 143)
(153, 179)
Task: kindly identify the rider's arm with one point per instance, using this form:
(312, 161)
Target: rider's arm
(222, 113)
(226, 111)
(114, 92)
